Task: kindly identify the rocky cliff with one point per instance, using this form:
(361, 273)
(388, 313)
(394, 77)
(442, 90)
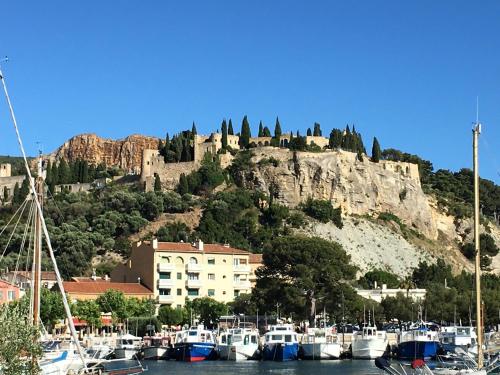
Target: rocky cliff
(359, 187)
(124, 153)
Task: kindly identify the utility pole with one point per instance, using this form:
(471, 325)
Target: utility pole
(479, 324)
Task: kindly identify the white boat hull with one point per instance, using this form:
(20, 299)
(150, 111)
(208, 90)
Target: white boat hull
(321, 351)
(368, 349)
(122, 353)
(155, 352)
(239, 352)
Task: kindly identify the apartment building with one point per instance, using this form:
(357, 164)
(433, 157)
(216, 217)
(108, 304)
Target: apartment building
(174, 271)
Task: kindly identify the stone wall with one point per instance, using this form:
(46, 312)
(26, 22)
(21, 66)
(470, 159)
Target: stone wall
(9, 183)
(5, 170)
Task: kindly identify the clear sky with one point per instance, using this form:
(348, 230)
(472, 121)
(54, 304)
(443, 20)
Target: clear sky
(407, 72)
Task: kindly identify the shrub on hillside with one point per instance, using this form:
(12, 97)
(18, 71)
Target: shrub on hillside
(323, 211)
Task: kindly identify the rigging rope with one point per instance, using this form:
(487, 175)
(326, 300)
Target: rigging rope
(27, 228)
(44, 226)
(13, 231)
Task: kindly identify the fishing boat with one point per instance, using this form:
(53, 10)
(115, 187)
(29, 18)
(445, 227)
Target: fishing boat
(369, 343)
(127, 346)
(455, 337)
(195, 344)
(281, 343)
(239, 344)
(418, 342)
(156, 347)
(320, 343)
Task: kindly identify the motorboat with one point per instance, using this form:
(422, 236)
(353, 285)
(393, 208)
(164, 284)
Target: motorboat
(127, 346)
(239, 344)
(281, 343)
(455, 337)
(320, 343)
(369, 343)
(418, 342)
(156, 347)
(195, 344)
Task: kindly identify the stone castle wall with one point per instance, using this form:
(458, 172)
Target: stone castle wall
(5, 170)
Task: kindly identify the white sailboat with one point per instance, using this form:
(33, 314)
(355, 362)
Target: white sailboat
(57, 361)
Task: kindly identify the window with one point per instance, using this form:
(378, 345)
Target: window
(165, 259)
(179, 260)
(164, 275)
(193, 276)
(288, 338)
(193, 292)
(193, 260)
(211, 276)
(211, 292)
(11, 295)
(1, 295)
(236, 261)
(276, 337)
(236, 293)
(164, 292)
(224, 292)
(179, 275)
(211, 260)
(254, 339)
(179, 292)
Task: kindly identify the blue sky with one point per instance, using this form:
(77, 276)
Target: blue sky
(406, 72)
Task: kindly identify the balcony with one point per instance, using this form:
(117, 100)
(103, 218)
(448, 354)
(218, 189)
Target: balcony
(241, 284)
(166, 267)
(165, 283)
(166, 299)
(194, 283)
(193, 267)
(241, 268)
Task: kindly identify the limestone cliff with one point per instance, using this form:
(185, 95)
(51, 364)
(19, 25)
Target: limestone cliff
(359, 187)
(124, 153)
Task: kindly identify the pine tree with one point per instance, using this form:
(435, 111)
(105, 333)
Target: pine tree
(230, 130)
(245, 133)
(224, 134)
(157, 186)
(266, 132)
(193, 130)
(261, 130)
(317, 130)
(183, 187)
(376, 152)
(309, 132)
(277, 129)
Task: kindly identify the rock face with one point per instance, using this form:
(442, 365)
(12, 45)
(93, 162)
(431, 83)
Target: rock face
(359, 187)
(124, 153)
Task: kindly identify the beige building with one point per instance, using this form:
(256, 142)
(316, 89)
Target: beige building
(174, 271)
(378, 294)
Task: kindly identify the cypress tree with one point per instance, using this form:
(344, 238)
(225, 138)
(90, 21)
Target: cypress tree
(317, 130)
(161, 148)
(64, 172)
(193, 130)
(5, 195)
(245, 133)
(25, 189)
(277, 129)
(48, 173)
(261, 130)
(335, 139)
(183, 187)
(309, 133)
(157, 186)
(266, 132)
(224, 134)
(55, 174)
(230, 130)
(85, 171)
(16, 195)
(376, 152)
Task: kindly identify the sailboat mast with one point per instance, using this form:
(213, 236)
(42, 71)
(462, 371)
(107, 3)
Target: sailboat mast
(476, 131)
(37, 254)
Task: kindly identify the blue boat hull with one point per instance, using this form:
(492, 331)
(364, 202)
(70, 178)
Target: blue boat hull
(194, 352)
(280, 352)
(417, 349)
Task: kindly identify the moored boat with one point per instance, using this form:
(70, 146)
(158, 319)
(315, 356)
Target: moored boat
(195, 344)
(281, 343)
(239, 344)
(419, 342)
(156, 347)
(127, 346)
(320, 343)
(369, 343)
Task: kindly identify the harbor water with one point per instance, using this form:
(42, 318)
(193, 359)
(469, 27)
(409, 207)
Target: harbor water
(341, 367)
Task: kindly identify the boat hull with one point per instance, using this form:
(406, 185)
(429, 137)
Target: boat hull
(281, 352)
(368, 349)
(321, 351)
(239, 352)
(417, 349)
(195, 352)
(122, 353)
(155, 352)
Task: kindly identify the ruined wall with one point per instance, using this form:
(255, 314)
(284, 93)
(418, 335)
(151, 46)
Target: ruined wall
(5, 170)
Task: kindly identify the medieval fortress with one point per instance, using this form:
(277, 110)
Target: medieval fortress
(169, 173)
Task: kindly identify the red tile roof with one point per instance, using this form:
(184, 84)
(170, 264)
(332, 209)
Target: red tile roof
(255, 259)
(207, 248)
(46, 275)
(99, 287)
